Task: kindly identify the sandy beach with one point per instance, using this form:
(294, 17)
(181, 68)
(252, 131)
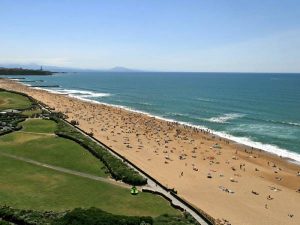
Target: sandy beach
(223, 178)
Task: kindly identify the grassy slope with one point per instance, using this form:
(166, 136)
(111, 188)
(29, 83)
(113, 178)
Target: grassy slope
(24, 185)
(39, 126)
(44, 146)
(13, 101)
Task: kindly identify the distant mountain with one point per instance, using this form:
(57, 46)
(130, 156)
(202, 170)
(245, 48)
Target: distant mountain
(122, 69)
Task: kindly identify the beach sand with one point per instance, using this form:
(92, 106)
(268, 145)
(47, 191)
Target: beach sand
(247, 186)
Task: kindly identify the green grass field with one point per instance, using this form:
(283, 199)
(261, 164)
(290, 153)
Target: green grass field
(27, 186)
(39, 126)
(42, 145)
(10, 100)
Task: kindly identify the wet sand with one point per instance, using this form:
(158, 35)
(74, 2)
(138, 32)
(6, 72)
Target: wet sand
(225, 179)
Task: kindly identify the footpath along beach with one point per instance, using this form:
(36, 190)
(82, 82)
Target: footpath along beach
(227, 180)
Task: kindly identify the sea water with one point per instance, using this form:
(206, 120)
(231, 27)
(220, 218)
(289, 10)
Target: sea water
(260, 110)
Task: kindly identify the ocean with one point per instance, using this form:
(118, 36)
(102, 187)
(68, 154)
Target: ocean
(259, 110)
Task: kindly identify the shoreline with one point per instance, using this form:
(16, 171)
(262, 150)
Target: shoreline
(286, 154)
(182, 157)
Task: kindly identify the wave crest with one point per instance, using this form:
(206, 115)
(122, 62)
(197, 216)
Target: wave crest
(225, 118)
(79, 93)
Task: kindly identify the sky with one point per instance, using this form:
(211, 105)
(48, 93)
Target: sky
(159, 35)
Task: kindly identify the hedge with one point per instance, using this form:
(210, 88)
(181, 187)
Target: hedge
(94, 216)
(28, 217)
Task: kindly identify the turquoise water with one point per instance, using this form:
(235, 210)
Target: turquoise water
(261, 110)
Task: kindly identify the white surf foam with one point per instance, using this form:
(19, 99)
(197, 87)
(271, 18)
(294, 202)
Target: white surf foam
(96, 95)
(266, 147)
(205, 99)
(284, 122)
(294, 124)
(15, 79)
(224, 118)
(177, 114)
(79, 93)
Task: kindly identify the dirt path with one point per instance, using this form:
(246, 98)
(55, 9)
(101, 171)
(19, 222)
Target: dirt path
(67, 171)
(45, 134)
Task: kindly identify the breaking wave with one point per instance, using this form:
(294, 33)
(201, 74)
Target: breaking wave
(225, 118)
(79, 93)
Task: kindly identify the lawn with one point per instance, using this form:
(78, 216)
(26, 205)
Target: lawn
(39, 126)
(27, 186)
(42, 145)
(10, 100)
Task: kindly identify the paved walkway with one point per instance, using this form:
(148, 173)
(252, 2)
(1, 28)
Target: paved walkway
(64, 170)
(153, 186)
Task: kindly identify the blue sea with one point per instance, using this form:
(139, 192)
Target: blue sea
(260, 110)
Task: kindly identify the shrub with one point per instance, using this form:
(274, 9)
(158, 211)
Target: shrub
(28, 217)
(94, 216)
(74, 122)
(166, 219)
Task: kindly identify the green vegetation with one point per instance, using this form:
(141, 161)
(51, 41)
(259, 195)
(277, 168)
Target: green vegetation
(27, 186)
(39, 126)
(94, 216)
(166, 219)
(37, 141)
(10, 122)
(20, 71)
(116, 167)
(10, 100)
(9, 116)
(28, 217)
(91, 216)
(32, 112)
